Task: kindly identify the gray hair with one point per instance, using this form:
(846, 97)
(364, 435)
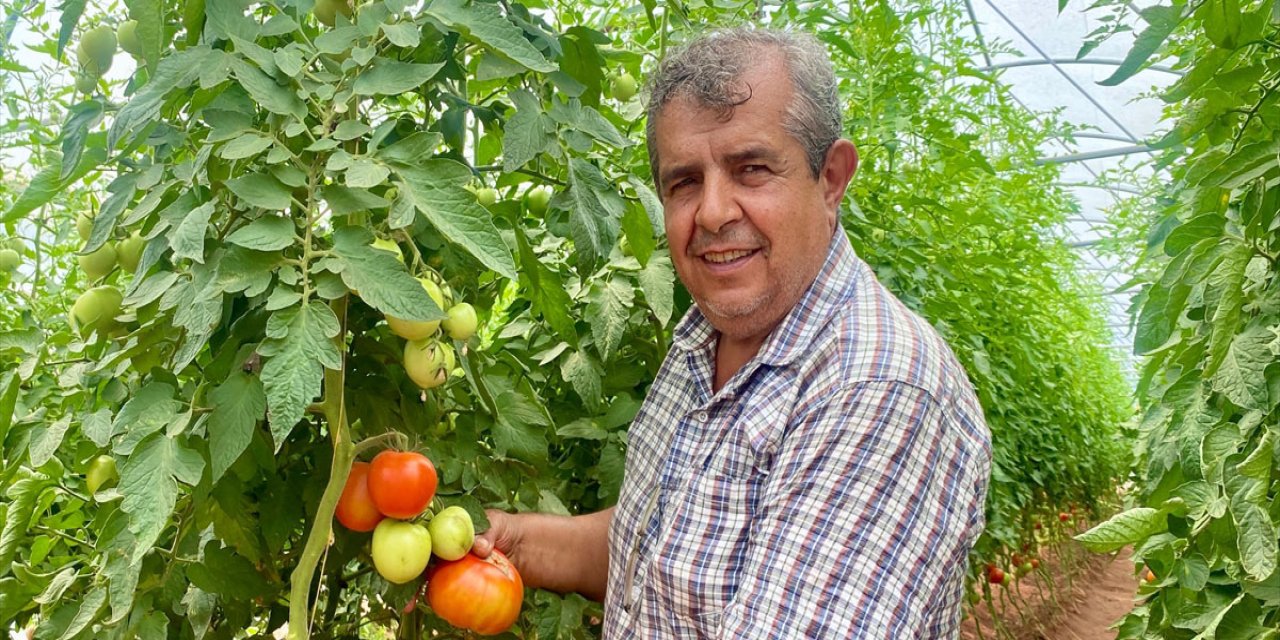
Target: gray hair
(708, 68)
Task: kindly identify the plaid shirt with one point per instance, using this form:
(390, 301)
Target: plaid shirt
(832, 489)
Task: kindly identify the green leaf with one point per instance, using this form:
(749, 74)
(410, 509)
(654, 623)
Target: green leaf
(22, 496)
(1125, 528)
(238, 403)
(10, 383)
(402, 34)
(344, 201)
(527, 133)
(484, 23)
(584, 375)
(47, 183)
(261, 190)
(75, 133)
(392, 77)
(246, 270)
(519, 428)
(1241, 378)
(151, 29)
(1227, 279)
(246, 145)
(227, 574)
(150, 409)
(89, 610)
(1161, 21)
(149, 482)
(188, 238)
(176, 71)
(607, 312)
(69, 14)
(380, 278)
(46, 440)
(264, 90)
(97, 427)
(364, 173)
(1245, 165)
(546, 292)
(1256, 539)
(412, 149)
(268, 233)
(436, 189)
(594, 210)
(299, 347)
(639, 233)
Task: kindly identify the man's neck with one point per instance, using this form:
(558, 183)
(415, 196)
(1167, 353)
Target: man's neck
(731, 354)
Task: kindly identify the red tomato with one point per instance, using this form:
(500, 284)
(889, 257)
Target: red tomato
(401, 483)
(356, 510)
(1064, 517)
(481, 595)
(995, 575)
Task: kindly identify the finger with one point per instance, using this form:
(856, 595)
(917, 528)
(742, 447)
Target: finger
(483, 546)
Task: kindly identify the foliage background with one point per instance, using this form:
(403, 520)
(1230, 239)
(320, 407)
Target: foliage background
(248, 370)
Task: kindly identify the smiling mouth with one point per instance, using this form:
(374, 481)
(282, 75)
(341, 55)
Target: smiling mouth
(727, 257)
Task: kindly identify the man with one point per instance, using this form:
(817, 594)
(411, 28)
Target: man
(811, 460)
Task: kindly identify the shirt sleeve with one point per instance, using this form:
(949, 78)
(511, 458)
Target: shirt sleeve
(865, 522)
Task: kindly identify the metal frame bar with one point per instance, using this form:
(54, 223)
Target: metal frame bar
(1108, 187)
(1096, 155)
(1112, 62)
(1088, 96)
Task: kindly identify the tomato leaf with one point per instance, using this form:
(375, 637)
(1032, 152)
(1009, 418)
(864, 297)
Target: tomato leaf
(1124, 529)
(436, 190)
(607, 313)
(298, 348)
(380, 278)
(238, 403)
(149, 481)
(484, 23)
(268, 233)
(390, 77)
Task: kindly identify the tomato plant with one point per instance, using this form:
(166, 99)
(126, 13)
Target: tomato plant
(401, 483)
(483, 595)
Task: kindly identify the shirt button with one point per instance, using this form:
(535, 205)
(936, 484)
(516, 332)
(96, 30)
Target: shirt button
(700, 416)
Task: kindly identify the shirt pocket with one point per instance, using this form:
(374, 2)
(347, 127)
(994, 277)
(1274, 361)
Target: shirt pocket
(698, 565)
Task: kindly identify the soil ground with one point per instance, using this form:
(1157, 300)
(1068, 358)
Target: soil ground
(1099, 595)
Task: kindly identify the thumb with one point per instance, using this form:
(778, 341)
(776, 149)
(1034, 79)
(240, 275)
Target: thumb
(486, 542)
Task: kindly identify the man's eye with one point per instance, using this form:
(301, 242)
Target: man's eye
(754, 168)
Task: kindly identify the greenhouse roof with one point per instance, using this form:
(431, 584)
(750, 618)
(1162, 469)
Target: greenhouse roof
(1034, 49)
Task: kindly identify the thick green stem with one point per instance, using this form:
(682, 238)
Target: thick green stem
(335, 412)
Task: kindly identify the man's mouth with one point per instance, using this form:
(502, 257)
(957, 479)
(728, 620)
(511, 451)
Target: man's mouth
(725, 257)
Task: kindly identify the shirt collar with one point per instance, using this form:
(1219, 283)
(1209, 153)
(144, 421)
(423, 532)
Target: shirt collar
(830, 289)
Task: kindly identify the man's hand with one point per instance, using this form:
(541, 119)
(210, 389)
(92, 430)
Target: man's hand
(561, 553)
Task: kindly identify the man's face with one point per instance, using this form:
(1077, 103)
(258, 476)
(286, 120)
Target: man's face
(747, 222)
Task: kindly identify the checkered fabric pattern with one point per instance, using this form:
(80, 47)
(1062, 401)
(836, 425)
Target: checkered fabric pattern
(831, 489)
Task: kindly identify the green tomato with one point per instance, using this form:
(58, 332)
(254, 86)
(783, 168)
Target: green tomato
(390, 246)
(127, 35)
(129, 251)
(400, 550)
(452, 533)
(84, 224)
(461, 323)
(86, 84)
(419, 329)
(101, 474)
(487, 196)
(536, 200)
(96, 309)
(98, 264)
(327, 11)
(9, 259)
(428, 362)
(625, 87)
(96, 50)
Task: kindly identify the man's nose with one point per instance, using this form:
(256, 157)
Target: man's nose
(719, 205)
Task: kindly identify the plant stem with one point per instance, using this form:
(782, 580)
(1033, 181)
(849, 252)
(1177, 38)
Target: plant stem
(335, 412)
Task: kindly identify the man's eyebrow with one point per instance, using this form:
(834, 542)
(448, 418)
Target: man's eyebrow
(752, 153)
(671, 174)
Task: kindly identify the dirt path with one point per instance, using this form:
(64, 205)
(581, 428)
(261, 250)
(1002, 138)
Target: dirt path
(1103, 595)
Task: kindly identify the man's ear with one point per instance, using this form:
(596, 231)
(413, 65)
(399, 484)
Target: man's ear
(837, 171)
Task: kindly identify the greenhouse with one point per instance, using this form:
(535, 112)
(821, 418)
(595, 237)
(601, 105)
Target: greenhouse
(670, 319)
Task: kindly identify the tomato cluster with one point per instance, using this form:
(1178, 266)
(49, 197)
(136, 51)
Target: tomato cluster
(388, 496)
